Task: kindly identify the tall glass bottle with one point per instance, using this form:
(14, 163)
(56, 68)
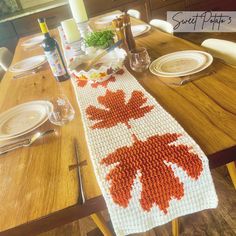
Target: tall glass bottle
(53, 53)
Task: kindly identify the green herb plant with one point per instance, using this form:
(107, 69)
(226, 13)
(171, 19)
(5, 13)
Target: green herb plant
(100, 39)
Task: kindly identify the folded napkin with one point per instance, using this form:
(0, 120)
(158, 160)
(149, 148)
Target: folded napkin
(149, 169)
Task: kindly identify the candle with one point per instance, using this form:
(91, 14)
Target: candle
(78, 10)
(71, 30)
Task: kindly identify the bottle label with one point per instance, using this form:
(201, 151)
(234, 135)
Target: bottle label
(55, 63)
(43, 27)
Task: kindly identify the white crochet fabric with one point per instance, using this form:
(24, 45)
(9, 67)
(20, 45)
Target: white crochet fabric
(149, 169)
(159, 173)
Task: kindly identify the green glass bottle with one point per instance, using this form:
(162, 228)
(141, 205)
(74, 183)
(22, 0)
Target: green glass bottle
(53, 53)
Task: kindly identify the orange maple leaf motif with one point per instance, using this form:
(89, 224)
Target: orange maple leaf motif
(117, 110)
(159, 184)
(149, 158)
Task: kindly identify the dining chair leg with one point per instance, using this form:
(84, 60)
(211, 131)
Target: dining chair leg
(101, 224)
(175, 227)
(232, 172)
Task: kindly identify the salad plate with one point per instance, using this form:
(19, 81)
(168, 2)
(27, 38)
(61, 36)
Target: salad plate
(181, 63)
(28, 64)
(138, 30)
(37, 40)
(106, 19)
(23, 118)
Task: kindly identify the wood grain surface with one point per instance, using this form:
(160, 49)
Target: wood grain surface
(216, 222)
(36, 181)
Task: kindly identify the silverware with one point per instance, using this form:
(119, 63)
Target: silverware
(34, 71)
(81, 198)
(191, 78)
(23, 142)
(82, 163)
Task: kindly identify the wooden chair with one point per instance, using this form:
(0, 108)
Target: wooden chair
(134, 13)
(2, 72)
(223, 49)
(5, 61)
(5, 58)
(162, 25)
(101, 224)
(175, 227)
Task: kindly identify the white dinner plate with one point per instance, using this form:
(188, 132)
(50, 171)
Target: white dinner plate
(181, 63)
(106, 19)
(23, 118)
(28, 64)
(33, 41)
(138, 30)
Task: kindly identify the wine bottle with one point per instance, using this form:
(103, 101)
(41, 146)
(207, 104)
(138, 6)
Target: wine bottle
(53, 53)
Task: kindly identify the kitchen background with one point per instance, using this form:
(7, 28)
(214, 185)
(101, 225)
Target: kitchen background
(11, 6)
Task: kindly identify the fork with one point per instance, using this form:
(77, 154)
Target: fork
(191, 78)
(34, 71)
(23, 143)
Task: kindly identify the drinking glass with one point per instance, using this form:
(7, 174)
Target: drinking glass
(139, 59)
(62, 112)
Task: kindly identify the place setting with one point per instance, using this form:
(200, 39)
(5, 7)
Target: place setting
(28, 66)
(31, 65)
(33, 42)
(22, 125)
(105, 23)
(18, 122)
(181, 67)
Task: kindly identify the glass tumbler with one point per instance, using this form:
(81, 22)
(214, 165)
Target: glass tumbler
(62, 112)
(139, 59)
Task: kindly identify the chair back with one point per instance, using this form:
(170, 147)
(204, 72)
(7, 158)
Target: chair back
(223, 49)
(162, 25)
(134, 13)
(2, 72)
(5, 58)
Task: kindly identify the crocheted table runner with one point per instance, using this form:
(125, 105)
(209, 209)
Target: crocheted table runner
(149, 169)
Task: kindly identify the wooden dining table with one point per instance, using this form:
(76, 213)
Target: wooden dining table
(39, 190)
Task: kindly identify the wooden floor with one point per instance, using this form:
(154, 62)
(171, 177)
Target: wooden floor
(218, 222)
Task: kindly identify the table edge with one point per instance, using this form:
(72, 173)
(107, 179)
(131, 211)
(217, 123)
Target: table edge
(222, 157)
(93, 205)
(57, 218)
